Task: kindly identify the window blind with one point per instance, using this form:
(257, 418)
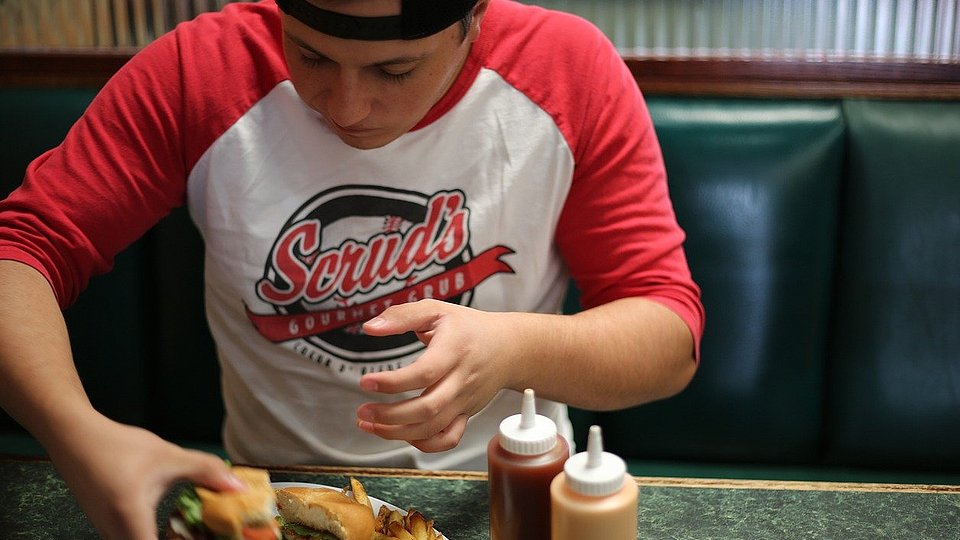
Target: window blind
(845, 30)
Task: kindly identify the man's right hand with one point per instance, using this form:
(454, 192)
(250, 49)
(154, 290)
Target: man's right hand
(119, 473)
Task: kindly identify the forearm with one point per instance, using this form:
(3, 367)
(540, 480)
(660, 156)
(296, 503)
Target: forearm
(106, 464)
(39, 385)
(620, 354)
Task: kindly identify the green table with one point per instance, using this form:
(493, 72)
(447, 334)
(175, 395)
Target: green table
(35, 504)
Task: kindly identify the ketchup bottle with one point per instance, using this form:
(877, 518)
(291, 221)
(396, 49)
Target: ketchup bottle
(594, 497)
(522, 460)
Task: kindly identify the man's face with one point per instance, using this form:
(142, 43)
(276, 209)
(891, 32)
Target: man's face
(371, 92)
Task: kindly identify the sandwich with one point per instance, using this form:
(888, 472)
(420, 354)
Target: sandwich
(311, 513)
(248, 514)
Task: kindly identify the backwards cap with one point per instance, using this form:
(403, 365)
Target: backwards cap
(417, 19)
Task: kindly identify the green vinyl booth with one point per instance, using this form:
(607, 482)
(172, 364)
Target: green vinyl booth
(825, 235)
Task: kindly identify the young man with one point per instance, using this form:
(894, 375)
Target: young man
(393, 195)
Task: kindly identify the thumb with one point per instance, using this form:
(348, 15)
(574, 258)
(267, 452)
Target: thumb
(399, 318)
(210, 471)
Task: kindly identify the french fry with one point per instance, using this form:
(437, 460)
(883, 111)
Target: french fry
(396, 528)
(383, 517)
(391, 524)
(360, 494)
(416, 524)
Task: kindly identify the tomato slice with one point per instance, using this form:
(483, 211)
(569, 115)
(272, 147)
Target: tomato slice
(262, 532)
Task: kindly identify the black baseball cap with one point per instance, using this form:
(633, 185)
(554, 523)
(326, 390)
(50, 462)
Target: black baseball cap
(417, 19)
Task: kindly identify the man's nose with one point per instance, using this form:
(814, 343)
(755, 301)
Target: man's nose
(347, 101)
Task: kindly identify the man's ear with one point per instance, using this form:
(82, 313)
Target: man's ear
(479, 10)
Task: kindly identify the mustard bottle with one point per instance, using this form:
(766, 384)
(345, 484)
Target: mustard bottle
(594, 497)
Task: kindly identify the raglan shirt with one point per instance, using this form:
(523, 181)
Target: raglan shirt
(540, 163)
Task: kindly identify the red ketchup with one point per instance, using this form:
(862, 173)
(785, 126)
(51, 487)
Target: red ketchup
(522, 460)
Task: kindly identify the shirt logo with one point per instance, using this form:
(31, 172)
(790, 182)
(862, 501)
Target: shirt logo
(352, 251)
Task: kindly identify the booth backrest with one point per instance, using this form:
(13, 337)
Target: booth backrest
(106, 322)
(138, 334)
(825, 236)
(894, 395)
(755, 185)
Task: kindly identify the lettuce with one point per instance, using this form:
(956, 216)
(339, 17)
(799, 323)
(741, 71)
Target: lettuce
(190, 507)
(303, 530)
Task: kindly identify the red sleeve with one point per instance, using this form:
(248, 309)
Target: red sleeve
(115, 174)
(617, 232)
(124, 164)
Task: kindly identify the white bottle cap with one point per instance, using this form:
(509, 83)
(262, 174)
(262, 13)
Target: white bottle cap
(528, 433)
(595, 473)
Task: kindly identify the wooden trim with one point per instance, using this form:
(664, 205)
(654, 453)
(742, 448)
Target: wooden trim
(642, 481)
(61, 68)
(43, 67)
(793, 485)
(797, 79)
(375, 471)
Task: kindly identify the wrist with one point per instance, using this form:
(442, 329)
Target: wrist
(536, 345)
(69, 426)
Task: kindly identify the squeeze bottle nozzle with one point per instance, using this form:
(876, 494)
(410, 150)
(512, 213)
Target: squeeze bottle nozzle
(595, 472)
(528, 433)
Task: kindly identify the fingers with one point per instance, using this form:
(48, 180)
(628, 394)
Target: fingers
(436, 441)
(446, 439)
(209, 471)
(120, 490)
(423, 417)
(422, 318)
(415, 418)
(419, 317)
(435, 362)
(135, 515)
(457, 374)
(120, 475)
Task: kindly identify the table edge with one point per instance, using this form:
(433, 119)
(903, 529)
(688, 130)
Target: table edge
(793, 485)
(642, 481)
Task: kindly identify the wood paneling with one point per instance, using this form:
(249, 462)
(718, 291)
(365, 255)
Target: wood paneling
(797, 79)
(60, 67)
(705, 77)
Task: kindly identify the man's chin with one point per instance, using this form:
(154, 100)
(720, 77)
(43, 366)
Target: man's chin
(366, 143)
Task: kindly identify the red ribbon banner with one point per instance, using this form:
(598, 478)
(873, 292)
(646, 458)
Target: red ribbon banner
(442, 286)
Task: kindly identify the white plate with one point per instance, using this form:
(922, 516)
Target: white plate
(375, 502)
